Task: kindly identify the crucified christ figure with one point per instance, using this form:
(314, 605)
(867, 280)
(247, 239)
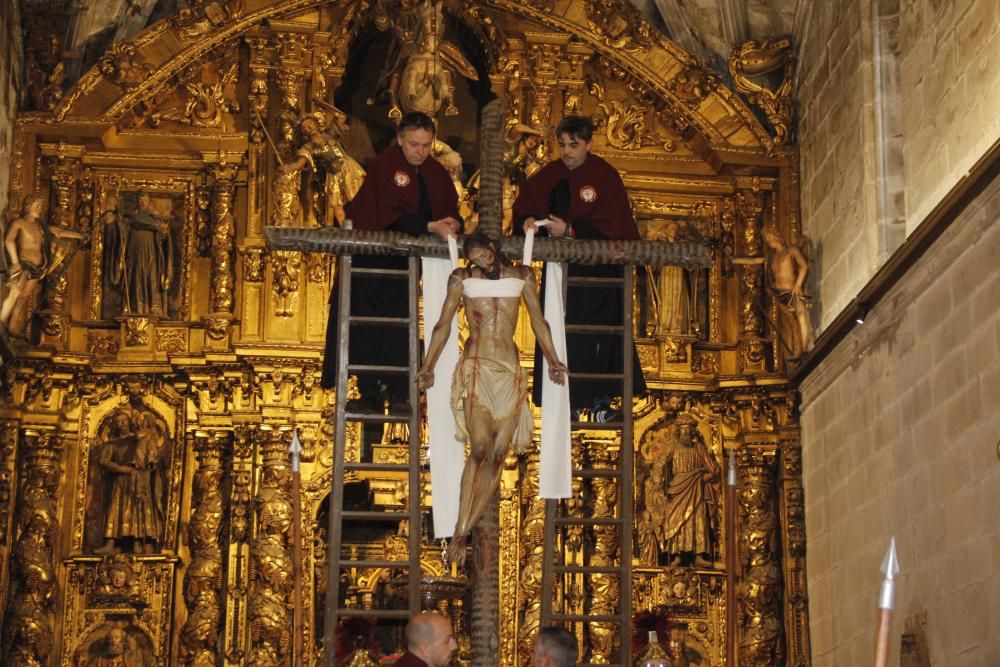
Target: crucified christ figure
(489, 389)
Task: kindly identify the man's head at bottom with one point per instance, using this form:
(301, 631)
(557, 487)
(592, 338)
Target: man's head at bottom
(554, 647)
(429, 637)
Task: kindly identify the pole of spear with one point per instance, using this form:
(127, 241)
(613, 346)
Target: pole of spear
(886, 603)
(731, 560)
(295, 451)
(267, 135)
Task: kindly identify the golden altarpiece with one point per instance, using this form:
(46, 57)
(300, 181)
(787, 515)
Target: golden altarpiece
(148, 401)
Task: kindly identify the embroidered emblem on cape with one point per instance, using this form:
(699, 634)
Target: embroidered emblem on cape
(588, 194)
(401, 178)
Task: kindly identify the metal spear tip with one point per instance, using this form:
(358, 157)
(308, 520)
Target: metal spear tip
(890, 564)
(295, 449)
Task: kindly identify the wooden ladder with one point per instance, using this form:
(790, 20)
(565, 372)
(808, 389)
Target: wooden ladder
(337, 562)
(557, 521)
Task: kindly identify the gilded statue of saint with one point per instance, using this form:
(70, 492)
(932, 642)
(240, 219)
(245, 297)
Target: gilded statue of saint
(419, 72)
(673, 291)
(787, 269)
(132, 443)
(141, 258)
(117, 646)
(324, 155)
(691, 476)
(32, 254)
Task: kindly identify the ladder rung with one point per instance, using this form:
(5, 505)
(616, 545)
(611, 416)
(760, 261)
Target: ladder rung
(590, 474)
(596, 376)
(357, 368)
(586, 569)
(392, 564)
(376, 467)
(594, 280)
(375, 418)
(374, 516)
(380, 272)
(370, 319)
(587, 618)
(376, 613)
(596, 426)
(593, 328)
(587, 521)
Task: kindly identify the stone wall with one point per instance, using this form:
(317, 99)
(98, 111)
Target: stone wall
(950, 85)
(900, 437)
(11, 65)
(901, 96)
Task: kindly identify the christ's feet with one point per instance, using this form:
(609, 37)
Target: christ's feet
(456, 550)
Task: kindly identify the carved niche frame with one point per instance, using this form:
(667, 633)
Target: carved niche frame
(111, 188)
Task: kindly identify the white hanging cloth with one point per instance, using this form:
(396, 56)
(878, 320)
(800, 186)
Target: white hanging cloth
(555, 475)
(447, 455)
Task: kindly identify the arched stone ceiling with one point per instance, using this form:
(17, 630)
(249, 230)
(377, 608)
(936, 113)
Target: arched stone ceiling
(709, 29)
(655, 62)
(705, 28)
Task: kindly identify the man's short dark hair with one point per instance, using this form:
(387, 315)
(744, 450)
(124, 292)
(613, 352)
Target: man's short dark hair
(577, 127)
(559, 644)
(416, 120)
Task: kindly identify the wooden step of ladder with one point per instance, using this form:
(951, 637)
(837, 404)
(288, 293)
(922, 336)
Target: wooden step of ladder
(345, 414)
(555, 570)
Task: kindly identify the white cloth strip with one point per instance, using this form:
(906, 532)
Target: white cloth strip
(475, 288)
(555, 474)
(452, 251)
(447, 455)
(529, 242)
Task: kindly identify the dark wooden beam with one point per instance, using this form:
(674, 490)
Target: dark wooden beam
(358, 242)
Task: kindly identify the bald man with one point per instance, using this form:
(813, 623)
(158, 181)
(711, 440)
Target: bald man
(554, 647)
(429, 642)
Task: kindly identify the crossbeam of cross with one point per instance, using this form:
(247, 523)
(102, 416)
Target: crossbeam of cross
(359, 242)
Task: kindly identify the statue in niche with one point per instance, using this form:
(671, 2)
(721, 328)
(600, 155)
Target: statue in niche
(141, 259)
(33, 251)
(127, 489)
(787, 270)
(646, 531)
(419, 72)
(678, 303)
(681, 492)
(336, 175)
(672, 295)
(116, 644)
(680, 654)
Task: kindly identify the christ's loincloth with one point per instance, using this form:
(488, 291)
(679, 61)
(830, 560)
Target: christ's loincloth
(497, 387)
(789, 299)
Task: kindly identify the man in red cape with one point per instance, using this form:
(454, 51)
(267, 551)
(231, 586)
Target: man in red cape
(585, 198)
(405, 190)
